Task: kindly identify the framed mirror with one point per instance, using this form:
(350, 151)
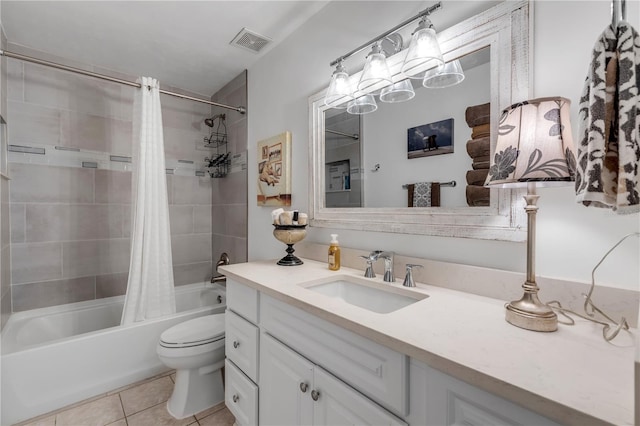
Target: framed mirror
(361, 169)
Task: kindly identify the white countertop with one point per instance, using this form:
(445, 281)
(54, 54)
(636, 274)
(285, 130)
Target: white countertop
(571, 376)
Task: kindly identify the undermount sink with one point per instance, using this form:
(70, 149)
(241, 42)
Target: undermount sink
(367, 296)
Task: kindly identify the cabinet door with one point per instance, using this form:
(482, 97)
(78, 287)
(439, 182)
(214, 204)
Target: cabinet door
(451, 402)
(339, 404)
(286, 380)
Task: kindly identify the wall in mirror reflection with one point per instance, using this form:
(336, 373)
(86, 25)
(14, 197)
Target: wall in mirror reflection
(383, 140)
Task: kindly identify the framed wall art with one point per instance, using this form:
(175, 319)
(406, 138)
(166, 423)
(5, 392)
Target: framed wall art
(430, 139)
(274, 170)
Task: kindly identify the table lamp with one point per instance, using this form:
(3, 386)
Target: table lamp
(534, 148)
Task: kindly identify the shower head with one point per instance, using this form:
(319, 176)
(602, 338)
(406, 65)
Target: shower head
(209, 121)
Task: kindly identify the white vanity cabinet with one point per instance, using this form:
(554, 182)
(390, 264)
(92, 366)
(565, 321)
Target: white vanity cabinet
(286, 366)
(298, 392)
(285, 379)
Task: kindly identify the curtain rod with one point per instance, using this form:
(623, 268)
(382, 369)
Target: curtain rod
(335, 132)
(240, 109)
(428, 11)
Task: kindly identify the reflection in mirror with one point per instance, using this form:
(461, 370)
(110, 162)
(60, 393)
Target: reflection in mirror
(367, 157)
(503, 34)
(343, 182)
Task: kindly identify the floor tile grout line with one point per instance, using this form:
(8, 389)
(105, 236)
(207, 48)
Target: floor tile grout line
(122, 405)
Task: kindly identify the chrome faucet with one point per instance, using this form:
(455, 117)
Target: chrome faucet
(373, 256)
(219, 278)
(408, 278)
(388, 266)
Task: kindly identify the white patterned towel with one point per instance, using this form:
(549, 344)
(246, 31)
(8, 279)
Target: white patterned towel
(609, 148)
(422, 194)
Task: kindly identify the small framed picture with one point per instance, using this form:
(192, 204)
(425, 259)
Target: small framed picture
(430, 139)
(274, 171)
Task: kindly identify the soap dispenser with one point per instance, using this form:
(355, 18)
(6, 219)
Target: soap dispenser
(334, 253)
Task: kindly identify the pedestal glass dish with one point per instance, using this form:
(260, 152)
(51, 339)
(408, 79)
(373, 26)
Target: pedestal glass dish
(290, 234)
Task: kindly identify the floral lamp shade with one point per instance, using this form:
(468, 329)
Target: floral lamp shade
(535, 144)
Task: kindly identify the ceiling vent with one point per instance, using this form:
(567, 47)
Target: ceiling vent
(249, 40)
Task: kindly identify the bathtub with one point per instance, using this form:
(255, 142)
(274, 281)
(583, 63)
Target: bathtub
(53, 357)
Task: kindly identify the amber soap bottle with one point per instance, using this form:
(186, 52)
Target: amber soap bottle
(334, 253)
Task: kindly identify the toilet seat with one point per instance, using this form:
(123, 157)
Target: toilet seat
(195, 332)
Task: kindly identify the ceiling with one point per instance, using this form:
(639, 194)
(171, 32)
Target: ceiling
(184, 44)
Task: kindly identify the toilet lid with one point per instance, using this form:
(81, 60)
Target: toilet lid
(198, 331)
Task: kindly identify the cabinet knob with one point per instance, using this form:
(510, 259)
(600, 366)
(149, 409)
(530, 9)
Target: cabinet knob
(315, 395)
(303, 387)
(236, 343)
(235, 398)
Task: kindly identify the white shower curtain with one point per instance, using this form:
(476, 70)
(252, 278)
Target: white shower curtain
(150, 291)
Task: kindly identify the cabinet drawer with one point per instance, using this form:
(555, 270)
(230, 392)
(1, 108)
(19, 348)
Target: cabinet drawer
(243, 300)
(241, 344)
(375, 370)
(240, 396)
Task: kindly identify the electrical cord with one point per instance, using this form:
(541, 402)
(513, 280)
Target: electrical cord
(611, 328)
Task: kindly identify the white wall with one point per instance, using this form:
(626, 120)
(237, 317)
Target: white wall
(571, 238)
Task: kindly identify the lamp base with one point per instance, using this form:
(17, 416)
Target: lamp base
(531, 314)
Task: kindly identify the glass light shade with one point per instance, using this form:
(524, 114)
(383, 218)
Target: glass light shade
(423, 53)
(398, 92)
(376, 74)
(535, 144)
(448, 75)
(362, 105)
(339, 92)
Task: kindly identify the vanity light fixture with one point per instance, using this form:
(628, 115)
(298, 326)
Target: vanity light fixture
(440, 77)
(376, 79)
(534, 148)
(339, 92)
(376, 74)
(398, 92)
(362, 105)
(424, 51)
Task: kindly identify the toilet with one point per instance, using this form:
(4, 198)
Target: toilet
(195, 349)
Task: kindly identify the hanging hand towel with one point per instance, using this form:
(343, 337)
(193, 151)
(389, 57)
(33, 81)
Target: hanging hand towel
(424, 194)
(628, 122)
(608, 152)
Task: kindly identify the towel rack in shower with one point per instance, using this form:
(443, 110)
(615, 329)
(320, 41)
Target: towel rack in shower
(450, 183)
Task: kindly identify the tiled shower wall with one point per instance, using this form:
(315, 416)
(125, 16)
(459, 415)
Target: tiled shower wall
(229, 203)
(70, 226)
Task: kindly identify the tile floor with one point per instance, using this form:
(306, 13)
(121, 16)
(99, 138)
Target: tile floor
(139, 404)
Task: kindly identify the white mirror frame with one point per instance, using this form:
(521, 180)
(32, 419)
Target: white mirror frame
(507, 30)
